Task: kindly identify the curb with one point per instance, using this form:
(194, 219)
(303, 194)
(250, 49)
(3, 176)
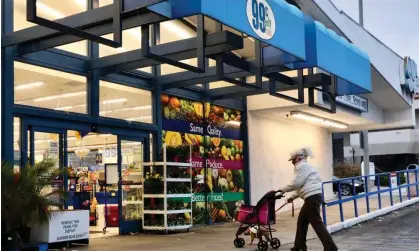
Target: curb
(369, 216)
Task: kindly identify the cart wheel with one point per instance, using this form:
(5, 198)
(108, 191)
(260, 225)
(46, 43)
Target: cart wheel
(104, 230)
(239, 242)
(275, 243)
(263, 245)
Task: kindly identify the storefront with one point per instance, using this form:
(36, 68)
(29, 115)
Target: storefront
(103, 112)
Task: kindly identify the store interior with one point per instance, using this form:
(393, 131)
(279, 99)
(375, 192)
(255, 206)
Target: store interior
(93, 176)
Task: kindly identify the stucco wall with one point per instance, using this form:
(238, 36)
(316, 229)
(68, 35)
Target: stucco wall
(271, 141)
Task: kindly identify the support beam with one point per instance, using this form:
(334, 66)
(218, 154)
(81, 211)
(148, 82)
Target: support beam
(97, 22)
(311, 81)
(179, 50)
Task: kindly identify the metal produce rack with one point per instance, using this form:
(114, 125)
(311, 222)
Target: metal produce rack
(165, 195)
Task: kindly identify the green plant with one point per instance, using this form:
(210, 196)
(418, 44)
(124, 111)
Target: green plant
(24, 196)
(346, 170)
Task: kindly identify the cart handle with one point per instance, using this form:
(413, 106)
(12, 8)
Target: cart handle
(285, 205)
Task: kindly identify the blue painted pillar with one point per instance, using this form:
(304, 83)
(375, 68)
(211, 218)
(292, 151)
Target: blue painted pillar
(7, 86)
(246, 153)
(157, 109)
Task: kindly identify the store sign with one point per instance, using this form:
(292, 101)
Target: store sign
(409, 77)
(353, 101)
(261, 18)
(63, 226)
(218, 197)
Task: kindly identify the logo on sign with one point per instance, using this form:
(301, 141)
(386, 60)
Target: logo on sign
(410, 78)
(261, 18)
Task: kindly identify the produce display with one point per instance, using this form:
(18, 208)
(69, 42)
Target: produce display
(178, 173)
(175, 108)
(179, 188)
(132, 212)
(174, 220)
(178, 143)
(153, 183)
(199, 213)
(153, 220)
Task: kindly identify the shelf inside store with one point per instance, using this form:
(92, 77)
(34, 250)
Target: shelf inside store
(179, 195)
(174, 164)
(181, 211)
(127, 202)
(178, 179)
(167, 228)
(158, 196)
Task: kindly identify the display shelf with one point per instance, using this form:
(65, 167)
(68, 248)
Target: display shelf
(168, 164)
(168, 212)
(178, 179)
(186, 195)
(157, 196)
(157, 173)
(127, 202)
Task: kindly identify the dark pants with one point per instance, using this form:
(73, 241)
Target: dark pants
(310, 214)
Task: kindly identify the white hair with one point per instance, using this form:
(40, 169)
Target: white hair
(304, 152)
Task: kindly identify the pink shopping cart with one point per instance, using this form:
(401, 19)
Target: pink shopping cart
(259, 217)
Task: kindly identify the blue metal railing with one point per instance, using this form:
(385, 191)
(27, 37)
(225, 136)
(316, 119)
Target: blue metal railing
(367, 194)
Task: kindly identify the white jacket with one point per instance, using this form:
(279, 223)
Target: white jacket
(306, 182)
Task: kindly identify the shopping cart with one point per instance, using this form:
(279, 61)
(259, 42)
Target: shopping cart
(259, 217)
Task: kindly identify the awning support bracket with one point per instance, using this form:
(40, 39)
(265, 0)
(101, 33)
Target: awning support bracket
(329, 91)
(31, 16)
(300, 98)
(145, 47)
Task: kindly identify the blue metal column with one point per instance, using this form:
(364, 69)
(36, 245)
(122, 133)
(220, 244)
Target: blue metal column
(157, 109)
(7, 86)
(245, 137)
(93, 76)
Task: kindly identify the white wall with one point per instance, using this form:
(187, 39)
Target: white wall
(271, 141)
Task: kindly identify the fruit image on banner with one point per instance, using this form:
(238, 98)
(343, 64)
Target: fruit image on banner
(214, 132)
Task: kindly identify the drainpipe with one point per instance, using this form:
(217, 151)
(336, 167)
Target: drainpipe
(361, 13)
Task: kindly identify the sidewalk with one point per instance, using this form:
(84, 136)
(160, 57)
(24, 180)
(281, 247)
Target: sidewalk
(220, 237)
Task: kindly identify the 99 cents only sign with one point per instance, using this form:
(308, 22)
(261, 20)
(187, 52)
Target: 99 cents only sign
(261, 18)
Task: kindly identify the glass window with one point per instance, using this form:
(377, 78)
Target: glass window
(52, 10)
(46, 88)
(131, 40)
(16, 143)
(124, 102)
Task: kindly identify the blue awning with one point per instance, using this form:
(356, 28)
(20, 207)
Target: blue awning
(332, 53)
(284, 22)
(297, 41)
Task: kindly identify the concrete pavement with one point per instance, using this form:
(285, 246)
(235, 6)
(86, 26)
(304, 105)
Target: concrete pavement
(394, 232)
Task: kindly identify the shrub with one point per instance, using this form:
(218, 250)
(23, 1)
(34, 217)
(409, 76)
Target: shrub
(346, 170)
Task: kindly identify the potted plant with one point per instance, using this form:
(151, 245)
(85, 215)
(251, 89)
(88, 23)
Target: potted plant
(26, 200)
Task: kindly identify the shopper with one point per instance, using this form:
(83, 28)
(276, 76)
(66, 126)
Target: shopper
(307, 185)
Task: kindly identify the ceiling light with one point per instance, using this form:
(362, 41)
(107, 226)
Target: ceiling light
(175, 28)
(236, 123)
(65, 95)
(318, 120)
(48, 10)
(114, 101)
(29, 85)
(139, 118)
(135, 108)
(70, 107)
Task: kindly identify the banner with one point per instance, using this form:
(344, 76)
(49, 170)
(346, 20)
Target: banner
(214, 133)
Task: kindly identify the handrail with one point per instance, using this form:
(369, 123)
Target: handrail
(367, 193)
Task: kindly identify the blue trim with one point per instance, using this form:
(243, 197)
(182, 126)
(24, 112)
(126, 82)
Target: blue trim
(334, 54)
(288, 37)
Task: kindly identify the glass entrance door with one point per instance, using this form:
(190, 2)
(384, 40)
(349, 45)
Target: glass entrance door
(131, 157)
(46, 148)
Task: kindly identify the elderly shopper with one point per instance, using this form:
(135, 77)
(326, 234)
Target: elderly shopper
(307, 185)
